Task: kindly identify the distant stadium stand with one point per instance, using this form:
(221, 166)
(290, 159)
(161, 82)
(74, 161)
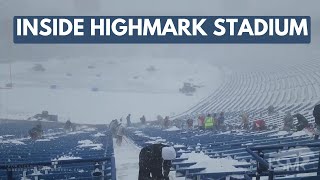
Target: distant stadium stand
(291, 88)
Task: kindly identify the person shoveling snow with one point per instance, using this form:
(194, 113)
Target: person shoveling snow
(153, 159)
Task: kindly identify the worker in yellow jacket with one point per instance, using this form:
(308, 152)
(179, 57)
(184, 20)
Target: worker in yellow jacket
(209, 122)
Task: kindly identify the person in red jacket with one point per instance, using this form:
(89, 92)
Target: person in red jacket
(259, 125)
(201, 119)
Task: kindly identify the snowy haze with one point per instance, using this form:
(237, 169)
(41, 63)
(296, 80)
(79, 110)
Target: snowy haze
(124, 84)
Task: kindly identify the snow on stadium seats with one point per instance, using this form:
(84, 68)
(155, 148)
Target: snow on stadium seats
(288, 88)
(58, 154)
(292, 88)
(211, 155)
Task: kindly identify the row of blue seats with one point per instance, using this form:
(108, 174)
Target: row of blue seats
(221, 145)
(51, 148)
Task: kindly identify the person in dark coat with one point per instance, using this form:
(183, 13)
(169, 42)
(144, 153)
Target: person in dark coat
(143, 120)
(166, 122)
(316, 115)
(128, 120)
(36, 132)
(68, 126)
(288, 122)
(155, 162)
(302, 122)
(221, 120)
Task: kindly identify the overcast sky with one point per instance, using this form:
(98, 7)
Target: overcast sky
(217, 53)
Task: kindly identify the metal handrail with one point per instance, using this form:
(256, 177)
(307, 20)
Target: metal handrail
(270, 170)
(270, 147)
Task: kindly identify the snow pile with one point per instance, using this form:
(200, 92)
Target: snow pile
(36, 173)
(213, 165)
(139, 133)
(98, 135)
(89, 129)
(247, 144)
(89, 144)
(239, 133)
(35, 119)
(76, 132)
(280, 133)
(8, 135)
(227, 132)
(173, 128)
(85, 128)
(45, 168)
(16, 142)
(156, 140)
(12, 141)
(51, 136)
(299, 133)
(65, 157)
(179, 146)
(182, 151)
(97, 148)
(82, 129)
(43, 140)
